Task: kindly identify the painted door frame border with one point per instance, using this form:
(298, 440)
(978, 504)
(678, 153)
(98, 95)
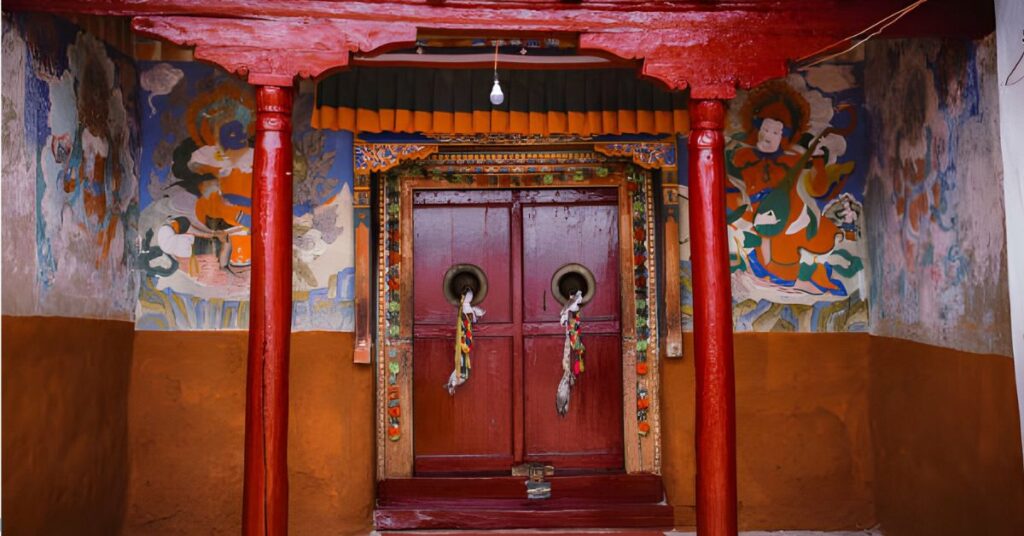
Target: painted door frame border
(575, 167)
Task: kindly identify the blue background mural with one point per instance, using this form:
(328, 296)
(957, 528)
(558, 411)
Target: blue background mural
(198, 132)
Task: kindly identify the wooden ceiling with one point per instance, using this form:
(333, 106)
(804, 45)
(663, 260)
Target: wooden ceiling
(710, 46)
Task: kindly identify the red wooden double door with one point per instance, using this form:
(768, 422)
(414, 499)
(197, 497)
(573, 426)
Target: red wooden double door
(505, 413)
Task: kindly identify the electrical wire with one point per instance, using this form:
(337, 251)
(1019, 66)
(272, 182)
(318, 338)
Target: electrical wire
(1009, 75)
(875, 29)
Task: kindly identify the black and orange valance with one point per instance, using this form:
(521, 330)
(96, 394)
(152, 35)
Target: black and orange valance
(583, 102)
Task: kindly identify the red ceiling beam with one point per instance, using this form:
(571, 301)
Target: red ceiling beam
(710, 47)
(275, 51)
(715, 53)
(940, 18)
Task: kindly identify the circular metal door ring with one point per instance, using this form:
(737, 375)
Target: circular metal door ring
(460, 277)
(570, 278)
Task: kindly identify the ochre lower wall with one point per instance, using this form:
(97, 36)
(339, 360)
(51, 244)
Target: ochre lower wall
(946, 437)
(804, 457)
(187, 430)
(65, 424)
(831, 429)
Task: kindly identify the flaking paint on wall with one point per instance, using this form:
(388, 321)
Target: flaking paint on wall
(70, 202)
(795, 163)
(196, 219)
(934, 200)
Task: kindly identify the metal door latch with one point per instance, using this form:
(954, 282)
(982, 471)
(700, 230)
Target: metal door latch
(536, 486)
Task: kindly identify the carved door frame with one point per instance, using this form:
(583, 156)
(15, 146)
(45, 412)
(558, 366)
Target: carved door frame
(578, 166)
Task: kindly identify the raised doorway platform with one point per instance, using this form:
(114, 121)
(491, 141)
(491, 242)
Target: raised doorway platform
(616, 501)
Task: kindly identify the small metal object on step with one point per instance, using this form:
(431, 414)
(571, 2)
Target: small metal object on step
(536, 486)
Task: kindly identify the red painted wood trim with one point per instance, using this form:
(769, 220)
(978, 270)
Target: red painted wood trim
(276, 51)
(265, 496)
(518, 345)
(712, 317)
(710, 49)
(463, 516)
(364, 319)
(613, 488)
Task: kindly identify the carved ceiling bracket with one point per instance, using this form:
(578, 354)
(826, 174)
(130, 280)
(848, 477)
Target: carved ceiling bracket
(711, 62)
(648, 155)
(370, 157)
(709, 47)
(275, 51)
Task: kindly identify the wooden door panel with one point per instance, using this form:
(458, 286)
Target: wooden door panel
(505, 413)
(452, 234)
(590, 435)
(472, 429)
(554, 235)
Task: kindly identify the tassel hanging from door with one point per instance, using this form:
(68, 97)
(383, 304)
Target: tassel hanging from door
(467, 315)
(572, 352)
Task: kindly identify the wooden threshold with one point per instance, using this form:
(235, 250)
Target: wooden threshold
(489, 503)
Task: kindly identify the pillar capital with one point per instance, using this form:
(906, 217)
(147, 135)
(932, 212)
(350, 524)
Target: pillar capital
(273, 108)
(707, 114)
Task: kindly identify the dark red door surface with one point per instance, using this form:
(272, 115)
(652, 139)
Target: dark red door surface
(505, 413)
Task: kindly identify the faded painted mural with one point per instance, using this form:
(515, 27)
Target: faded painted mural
(70, 200)
(198, 125)
(935, 197)
(795, 163)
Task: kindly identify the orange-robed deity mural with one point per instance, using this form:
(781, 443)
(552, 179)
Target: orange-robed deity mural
(196, 218)
(795, 163)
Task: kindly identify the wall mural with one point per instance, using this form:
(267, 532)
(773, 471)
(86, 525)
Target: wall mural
(195, 224)
(938, 245)
(70, 143)
(795, 164)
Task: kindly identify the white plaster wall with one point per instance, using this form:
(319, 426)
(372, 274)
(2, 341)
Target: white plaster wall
(934, 201)
(1009, 32)
(70, 182)
(18, 190)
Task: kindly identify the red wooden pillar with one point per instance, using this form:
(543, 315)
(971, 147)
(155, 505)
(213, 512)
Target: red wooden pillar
(265, 499)
(712, 316)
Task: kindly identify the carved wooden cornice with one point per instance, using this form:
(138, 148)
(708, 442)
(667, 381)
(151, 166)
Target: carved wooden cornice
(275, 51)
(709, 47)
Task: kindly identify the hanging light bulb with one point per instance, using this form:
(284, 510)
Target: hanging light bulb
(497, 97)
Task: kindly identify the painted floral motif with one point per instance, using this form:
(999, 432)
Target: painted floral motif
(641, 274)
(390, 296)
(392, 257)
(394, 402)
(652, 155)
(384, 156)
